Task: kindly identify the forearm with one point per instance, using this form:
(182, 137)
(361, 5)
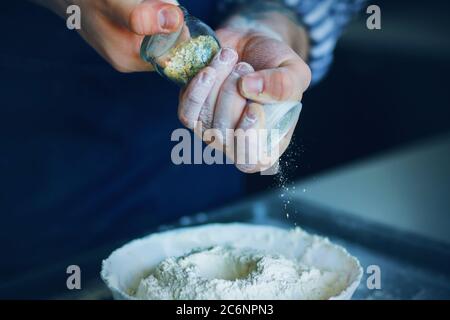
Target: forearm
(274, 19)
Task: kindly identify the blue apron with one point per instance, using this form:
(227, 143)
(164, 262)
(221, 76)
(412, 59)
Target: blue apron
(84, 150)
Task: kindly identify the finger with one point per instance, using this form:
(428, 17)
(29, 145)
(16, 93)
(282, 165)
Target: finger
(223, 63)
(194, 97)
(275, 156)
(230, 104)
(264, 159)
(123, 53)
(146, 17)
(285, 83)
(247, 137)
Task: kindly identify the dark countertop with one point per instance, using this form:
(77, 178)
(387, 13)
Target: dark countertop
(383, 211)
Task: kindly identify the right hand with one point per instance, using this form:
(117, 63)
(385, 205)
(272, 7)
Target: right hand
(116, 28)
(218, 97)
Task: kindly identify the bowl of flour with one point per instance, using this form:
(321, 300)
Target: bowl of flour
(231, 262)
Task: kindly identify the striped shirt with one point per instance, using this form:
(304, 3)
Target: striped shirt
(324, 20)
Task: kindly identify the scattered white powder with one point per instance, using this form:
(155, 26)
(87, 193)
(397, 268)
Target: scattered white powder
(237, 274)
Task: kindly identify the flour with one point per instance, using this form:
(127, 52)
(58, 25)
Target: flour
(226, 272)
(231, 261)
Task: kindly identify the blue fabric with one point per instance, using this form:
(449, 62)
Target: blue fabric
(324, 20)
(85, 150)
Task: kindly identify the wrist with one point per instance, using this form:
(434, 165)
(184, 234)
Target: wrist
(244, 25)
(273, 19)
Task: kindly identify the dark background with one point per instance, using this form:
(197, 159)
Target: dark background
(387, 88)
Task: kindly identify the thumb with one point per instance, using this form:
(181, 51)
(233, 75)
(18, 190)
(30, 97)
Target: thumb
(285, 82)
(146, 17)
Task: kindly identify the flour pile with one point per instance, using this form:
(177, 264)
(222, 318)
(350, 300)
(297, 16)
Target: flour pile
(225, 272)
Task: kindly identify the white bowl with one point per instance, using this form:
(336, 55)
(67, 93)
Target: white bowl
(125, 267)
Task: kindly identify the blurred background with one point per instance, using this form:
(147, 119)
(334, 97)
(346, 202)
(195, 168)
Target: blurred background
(387, 89)
(373, 141)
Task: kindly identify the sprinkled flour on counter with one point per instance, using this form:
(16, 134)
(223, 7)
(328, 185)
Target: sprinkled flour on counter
(237, 274)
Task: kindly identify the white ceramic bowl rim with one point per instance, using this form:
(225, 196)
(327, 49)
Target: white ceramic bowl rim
(126, 266)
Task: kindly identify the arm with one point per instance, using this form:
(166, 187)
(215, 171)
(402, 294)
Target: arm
(115, 28)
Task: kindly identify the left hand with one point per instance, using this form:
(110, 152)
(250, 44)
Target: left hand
(251, 66)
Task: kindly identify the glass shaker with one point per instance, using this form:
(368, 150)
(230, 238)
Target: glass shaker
(179, 56)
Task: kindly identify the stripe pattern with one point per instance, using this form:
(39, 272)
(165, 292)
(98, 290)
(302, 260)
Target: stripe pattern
(325, 20)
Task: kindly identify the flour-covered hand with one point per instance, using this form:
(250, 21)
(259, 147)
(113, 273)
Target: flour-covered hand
(257, 65)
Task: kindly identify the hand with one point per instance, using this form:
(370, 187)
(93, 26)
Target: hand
(116, 28)
(253, 66)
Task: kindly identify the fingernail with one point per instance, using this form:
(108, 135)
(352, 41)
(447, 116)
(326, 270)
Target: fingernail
(207, 78)
(227, 55)
(169, 18)
(250, 119)
(253, 85)
(243, 68)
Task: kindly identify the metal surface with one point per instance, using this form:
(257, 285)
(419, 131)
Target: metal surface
(407, 188)
(412, 267)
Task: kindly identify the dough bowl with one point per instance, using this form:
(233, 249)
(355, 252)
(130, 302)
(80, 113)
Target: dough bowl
(124, 268)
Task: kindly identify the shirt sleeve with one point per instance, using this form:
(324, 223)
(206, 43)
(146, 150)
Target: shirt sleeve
(325, 20)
